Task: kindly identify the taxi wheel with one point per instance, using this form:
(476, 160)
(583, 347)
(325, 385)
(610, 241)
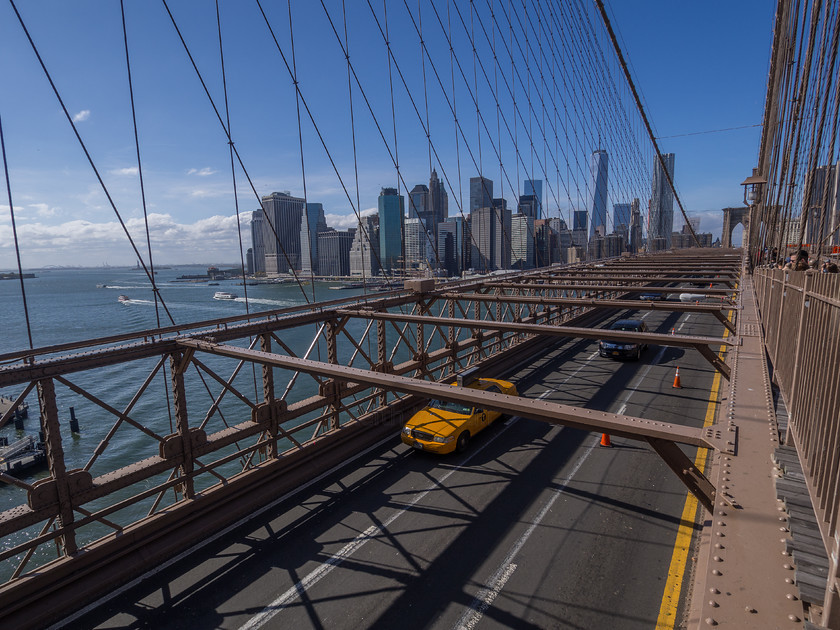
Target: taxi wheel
(463, 440)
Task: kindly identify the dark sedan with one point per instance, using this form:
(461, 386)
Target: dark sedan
(622, 349)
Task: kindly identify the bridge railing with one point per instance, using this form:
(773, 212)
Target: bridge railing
(800, 312)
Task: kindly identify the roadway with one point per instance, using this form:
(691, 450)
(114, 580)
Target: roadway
(533, 527)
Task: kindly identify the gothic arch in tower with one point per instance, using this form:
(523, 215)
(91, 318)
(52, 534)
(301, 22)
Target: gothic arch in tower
(731, 218)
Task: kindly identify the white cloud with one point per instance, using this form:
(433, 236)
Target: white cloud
(344, 221)
(85, 242)
(82, 116)
(131, 170)
(202, 172)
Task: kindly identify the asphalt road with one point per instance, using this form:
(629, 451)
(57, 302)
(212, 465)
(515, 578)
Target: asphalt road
(534, 527)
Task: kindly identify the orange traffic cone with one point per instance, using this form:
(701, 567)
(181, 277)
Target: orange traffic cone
(605, 439)
(677, 379)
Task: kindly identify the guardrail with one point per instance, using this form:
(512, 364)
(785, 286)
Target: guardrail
(800, 312)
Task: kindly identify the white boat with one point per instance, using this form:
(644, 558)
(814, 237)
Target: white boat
(123, 299)
(224, 295)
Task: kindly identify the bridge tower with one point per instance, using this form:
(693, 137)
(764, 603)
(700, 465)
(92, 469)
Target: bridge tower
(731, 218)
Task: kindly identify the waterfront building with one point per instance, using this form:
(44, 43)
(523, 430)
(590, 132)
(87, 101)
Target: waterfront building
(661, 218)
(597, 203)
(391, 224)
(281, 232)
(249, 261)
(311, 224)
(334, 251)
(257, 240)
(522, 242)
(364, 251)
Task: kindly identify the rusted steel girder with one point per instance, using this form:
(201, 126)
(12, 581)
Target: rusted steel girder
(545, 411)
(624, 288)
(639, 277)
(640, 305)
(701, 344)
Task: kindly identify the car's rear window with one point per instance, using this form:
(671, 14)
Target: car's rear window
(627, 328)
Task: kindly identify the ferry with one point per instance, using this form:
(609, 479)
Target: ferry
(224, 295)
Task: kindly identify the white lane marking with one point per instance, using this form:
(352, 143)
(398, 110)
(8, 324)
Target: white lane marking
(277, 606)
(488, 597)
(474, 612)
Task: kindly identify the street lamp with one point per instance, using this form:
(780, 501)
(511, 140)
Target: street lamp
(753, 186)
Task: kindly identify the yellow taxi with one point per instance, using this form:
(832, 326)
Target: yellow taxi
(444, 427)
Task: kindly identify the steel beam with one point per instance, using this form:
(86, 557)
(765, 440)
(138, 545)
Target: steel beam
(553, 413)
(640, 305)
(679, 341)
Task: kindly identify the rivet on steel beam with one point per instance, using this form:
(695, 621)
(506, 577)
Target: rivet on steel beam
(787, 566)
(716, 572)
(792, 597)
(750, 609)
(783, 529)
(717, 559)
(721, 534)
(794, 618)
(719, 546)
(713, 603)
(785, 553)
(721, 523)
(710, 621)
(789, 580)
(783, 518)
(714, 591)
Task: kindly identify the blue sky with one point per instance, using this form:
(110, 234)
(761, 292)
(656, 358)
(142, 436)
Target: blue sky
(700, 67)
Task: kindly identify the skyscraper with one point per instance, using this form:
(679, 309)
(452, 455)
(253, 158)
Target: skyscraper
(661, 219)
(491, 229)
(522, 242)
(418, 204)
(533, 187)
(580, 231)
(311, 224)
(257, 240)
(334, 251)
(597, 206)
(481, 193)
(364, 251)
(438, 200)
(451, 245)
(621, 215)
(281, 232)
(391, 217)
(635, 227)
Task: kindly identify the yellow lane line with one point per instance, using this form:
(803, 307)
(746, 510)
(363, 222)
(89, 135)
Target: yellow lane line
(679, 558)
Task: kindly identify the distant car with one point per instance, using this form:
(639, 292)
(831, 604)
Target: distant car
(692, 297)
(444, 426)
(652, 297)
(621, 349)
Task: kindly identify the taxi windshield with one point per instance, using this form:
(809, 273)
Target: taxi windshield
(452, 407)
